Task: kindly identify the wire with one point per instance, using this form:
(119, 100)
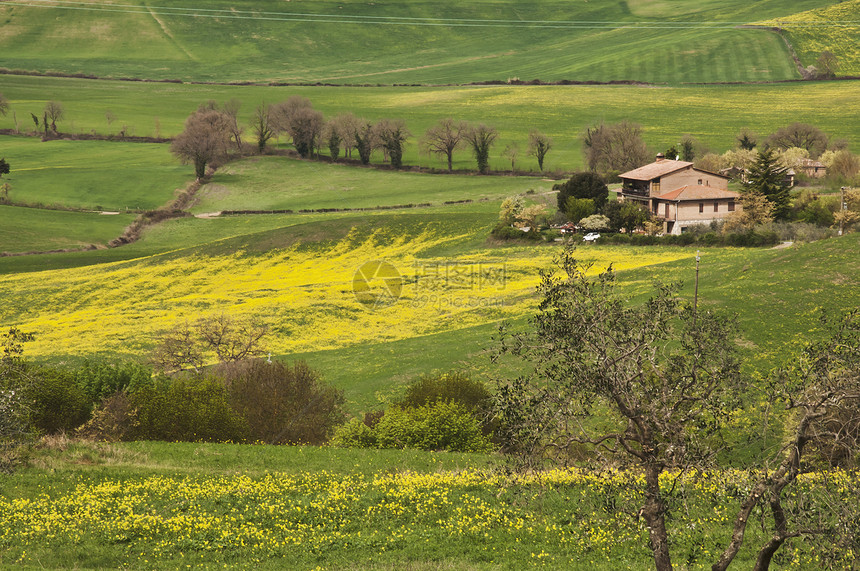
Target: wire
(407, 21)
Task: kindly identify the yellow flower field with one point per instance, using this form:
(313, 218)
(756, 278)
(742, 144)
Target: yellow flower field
(557, 519)
(312, 297)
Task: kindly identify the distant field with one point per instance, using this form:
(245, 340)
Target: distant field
(299, 279)
(32, 230)
(404, 42)
(714, 114)
(93, 175)
(835, 29)
(269, 183)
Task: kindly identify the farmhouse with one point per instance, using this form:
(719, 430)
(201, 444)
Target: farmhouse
(680, 195)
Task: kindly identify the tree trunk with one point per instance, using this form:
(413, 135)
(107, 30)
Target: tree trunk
(654, 514)
(450, 161)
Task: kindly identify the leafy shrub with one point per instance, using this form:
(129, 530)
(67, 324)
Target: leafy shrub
(283, 404)
(59, 404)
(438, 426)
(354, 434)
(453, 386)
(506, 232)
(100, 379)
(195, 409)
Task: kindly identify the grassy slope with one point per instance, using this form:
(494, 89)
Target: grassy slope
(92, 175)
(403, 42)
(278, 183)
(834, 29)
(714, 114)
(33, 230)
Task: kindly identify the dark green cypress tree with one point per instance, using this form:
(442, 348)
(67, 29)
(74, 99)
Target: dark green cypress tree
(767, 177)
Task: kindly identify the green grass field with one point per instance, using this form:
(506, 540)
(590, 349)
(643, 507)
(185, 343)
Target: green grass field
(91, 175)
(404, 42)
(34, 230)
(180, 505)
(271, 183)
(713, 114)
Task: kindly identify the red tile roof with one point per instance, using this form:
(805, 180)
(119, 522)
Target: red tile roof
(697, 192)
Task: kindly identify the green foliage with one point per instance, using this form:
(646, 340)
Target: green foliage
(194, 409)
(354, 434)
(4, 167)
(438, 426)
(283, 404)
(625, 215)
(454, 386)
(578, 208)
(59, 404)
(100, 378)
(588, 185)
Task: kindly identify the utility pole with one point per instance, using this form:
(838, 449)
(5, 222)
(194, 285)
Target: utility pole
(841, 209)
(696, 292)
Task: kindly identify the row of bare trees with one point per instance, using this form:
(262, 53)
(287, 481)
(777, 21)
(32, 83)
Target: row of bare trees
(212, 130)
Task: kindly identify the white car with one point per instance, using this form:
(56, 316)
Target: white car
(591, 237)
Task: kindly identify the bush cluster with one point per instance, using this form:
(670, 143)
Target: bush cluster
(444, 412)
(245, 401)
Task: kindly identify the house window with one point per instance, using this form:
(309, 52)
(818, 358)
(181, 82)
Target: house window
(731, 206)
(701, 207)
(700, 182)
(667, 210)
(716, 206)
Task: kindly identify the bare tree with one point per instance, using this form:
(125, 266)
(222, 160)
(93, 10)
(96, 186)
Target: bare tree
(617, 147)
(481, 138)
(231, 109)
(4, 105)
(539, 146)
(801, 135)
(205, 139)
(191, 345)
(54, 112)
(666, 371)
(261, 125)
(284, 119)
(392, 134)
(305, 128)
(444, 138)
(827, 64)
(512, 153)
(346, 125)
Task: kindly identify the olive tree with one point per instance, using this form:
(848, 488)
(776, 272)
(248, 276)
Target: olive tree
(667, 373)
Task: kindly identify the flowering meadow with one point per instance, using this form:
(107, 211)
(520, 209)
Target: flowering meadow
(329, 519)
(305, 293)
(834, 29)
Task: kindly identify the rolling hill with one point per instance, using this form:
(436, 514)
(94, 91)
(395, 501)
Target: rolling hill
(404, 42)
